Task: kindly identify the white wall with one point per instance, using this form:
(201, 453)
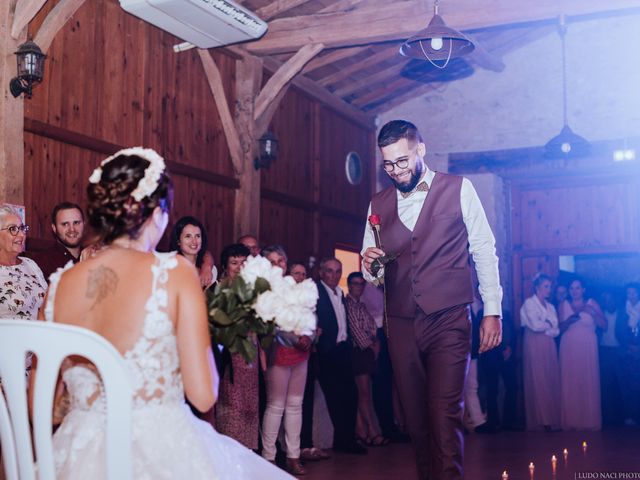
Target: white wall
(522, 106)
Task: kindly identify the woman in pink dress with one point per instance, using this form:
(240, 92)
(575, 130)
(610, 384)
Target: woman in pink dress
(541, 372)
(579, 366)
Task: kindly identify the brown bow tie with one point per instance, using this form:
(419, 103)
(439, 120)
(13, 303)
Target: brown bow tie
(421, 187)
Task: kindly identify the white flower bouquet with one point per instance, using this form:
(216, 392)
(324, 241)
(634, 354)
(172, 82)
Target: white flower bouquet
(257, 302)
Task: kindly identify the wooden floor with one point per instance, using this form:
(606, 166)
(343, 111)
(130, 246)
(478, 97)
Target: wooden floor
(487, 456)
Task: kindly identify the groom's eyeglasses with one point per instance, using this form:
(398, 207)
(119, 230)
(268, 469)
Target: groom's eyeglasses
(401, 164)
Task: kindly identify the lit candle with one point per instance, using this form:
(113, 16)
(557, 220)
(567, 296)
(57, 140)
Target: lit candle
(532, 468)
(554, 462)
(584, 446)
(505, 475)
(565, 454)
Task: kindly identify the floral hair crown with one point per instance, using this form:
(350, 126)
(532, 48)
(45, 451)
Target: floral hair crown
(147, 184)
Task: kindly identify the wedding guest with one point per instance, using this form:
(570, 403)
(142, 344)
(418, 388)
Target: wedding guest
(541, 371)
(560, 295)
(579, 367)
(630, 337)
(308, 452)
(150, 306)
(334, 358)
(382, 380)
(237, 411)
(611, 360)
(364, 356)
(251, 242)
(475, 418)
(189, 239)
(285, 378)
(510, 372)
(67, 225)
(276, 255)
(22, 284)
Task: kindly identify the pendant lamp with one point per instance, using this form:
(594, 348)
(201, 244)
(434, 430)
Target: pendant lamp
(567, 144)
(437, 42)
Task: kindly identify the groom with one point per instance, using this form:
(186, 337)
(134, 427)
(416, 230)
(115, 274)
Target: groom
(431, 222)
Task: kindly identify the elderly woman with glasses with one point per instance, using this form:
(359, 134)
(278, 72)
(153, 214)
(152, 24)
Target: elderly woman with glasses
(22, 284)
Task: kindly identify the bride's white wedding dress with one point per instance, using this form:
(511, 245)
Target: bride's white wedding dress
(169, 442)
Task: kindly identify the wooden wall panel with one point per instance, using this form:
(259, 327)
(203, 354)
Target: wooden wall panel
(212, 205)
(581, 217)
(116, 78)
(292, 173)
(343, 231)
(577, 216)
(339, 136)
(290, 226)
(54, 172)
(113, 80)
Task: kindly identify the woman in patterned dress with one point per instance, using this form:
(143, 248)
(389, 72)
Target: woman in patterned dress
(237, 410)
(22, 284)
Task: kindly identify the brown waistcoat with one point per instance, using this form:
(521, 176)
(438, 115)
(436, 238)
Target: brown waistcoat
(432, 269)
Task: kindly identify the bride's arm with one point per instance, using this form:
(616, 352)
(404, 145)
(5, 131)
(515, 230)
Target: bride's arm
(199, 373)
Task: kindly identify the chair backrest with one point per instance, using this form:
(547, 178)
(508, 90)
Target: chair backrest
(52, 343)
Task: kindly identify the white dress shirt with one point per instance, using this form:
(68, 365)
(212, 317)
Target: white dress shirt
(538, 317)
(482, 244)
(338, 307)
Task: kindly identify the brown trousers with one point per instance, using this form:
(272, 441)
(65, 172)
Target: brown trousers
(430, 358)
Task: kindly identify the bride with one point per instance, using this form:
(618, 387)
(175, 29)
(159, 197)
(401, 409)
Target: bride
(150, 306)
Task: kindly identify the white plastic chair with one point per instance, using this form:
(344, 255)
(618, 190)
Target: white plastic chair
(51, 343)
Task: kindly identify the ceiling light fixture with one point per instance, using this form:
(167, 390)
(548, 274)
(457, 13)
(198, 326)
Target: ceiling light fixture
(437, 42)
(567, 143)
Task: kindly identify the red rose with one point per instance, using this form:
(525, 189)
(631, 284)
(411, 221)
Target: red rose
(374, 220)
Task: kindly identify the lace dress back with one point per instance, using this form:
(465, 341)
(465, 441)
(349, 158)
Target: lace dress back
(168, 442)
(153, 359)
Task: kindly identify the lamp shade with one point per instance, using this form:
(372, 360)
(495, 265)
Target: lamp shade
(437, 42)
(567, 144)
(30, 62)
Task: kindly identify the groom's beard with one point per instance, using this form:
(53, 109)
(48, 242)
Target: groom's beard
(413, 181)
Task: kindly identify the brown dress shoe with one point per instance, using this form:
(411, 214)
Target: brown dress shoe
(294, 467)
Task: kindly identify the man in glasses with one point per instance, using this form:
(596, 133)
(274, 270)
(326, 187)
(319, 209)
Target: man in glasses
(67, 224)
(429, 224)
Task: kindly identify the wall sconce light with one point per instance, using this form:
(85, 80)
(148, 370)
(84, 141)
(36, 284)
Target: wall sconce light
(30, 69)
(267, 151)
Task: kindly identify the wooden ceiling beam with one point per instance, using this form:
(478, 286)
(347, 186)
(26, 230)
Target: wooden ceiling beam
(273, 9)
(214, 78)
(408, 93)
(24, 13)
(331, 57)
(283, 76)
(374, 59)
(370, 81)
(323, 95)
(55, 20)
(340, 6)
(366, 25)
(399, 84)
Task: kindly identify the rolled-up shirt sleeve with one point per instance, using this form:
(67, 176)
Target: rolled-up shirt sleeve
(482, 247)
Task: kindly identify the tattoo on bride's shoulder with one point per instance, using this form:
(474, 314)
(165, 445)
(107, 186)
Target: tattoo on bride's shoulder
(102, 282)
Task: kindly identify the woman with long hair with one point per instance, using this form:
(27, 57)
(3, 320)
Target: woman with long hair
(189, 239)
(579, 365)
(151, 307)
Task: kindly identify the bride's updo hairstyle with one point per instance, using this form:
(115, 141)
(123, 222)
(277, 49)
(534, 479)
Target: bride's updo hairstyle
(124, 190)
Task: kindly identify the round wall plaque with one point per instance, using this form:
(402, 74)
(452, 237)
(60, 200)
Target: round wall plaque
(353, 168)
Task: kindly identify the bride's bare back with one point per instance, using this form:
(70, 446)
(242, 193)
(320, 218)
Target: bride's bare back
(108, 295)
